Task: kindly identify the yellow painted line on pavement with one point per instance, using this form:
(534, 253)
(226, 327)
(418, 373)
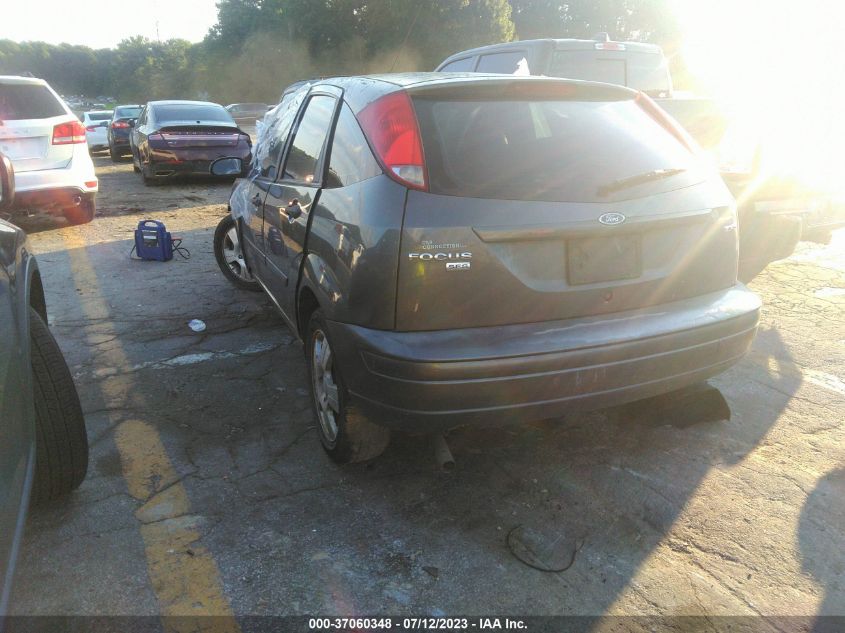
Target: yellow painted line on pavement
(183, 574)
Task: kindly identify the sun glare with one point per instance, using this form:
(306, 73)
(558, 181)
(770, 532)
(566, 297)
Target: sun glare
(779, 65)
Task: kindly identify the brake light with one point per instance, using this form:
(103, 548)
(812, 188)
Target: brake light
(119, 125)
(68, 133)
(666, 122)
(610, 46)
(390, 124)
(90, 128)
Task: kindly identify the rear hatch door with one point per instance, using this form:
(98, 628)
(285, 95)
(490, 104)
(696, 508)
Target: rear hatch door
(551, 201)
(28, 114)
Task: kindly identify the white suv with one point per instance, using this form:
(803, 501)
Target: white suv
(47, 146)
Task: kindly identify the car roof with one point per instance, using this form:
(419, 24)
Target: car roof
(560, 44)
(182, 102)
(17, 79)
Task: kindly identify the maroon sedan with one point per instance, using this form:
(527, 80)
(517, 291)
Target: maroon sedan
(183, 138)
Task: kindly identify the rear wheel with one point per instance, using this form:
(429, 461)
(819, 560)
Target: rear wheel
(61, 444)
(136, 162)
(83, 213)
(114, 154)
(149, 179)
(228, 252)
(345, 432)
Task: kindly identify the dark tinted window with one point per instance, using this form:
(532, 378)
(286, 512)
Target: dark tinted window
(304, 155)
(99, 116)
(351, 159)
(510, 63)
(127, 113)
(642, 71)
(190, 112)
(546, 150)
(279, 120)
(459, 65)
(27, 101)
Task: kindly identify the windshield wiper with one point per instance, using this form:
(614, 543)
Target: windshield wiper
(638, 179)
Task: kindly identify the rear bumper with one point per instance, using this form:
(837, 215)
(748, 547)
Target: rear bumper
(191, 162)
(429, 381)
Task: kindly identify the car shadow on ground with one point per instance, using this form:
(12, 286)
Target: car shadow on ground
(605, 489)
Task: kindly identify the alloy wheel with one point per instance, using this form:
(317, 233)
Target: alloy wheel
(234, 256)
(325, 388)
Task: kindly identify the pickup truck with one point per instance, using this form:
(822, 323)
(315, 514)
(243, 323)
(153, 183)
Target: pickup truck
(775, 212)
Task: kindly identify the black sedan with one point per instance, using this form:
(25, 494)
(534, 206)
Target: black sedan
(123, 119)
(43, 443)
(183, 138)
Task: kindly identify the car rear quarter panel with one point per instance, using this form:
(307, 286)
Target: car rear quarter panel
(352, 251)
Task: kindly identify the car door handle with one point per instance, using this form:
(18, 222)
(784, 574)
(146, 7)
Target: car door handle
(256, 200)
(293, 210)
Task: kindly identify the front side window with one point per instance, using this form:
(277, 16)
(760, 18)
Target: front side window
(304, 157)
(351, 159)
(509, 63)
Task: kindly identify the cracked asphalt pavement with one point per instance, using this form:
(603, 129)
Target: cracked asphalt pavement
(208, 491)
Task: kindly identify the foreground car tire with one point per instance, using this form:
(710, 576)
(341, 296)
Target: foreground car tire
(345, 432)
(61, 445)
(230, 257)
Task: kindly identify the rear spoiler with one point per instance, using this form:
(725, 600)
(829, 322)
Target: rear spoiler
(507, 87)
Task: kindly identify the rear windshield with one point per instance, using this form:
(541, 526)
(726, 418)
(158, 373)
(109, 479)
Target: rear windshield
(127, 113)
(28, 101)
(642, 71)
(547, 150)
(99, 116)
(189, 112)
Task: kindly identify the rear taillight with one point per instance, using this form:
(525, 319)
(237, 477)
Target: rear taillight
(119, 125)
(69, 133)
(668, 123)
(91, 128)
(390, 124)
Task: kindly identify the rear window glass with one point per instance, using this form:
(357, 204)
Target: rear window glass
(642, 71)
(546, 150)
(510, 63)
(127, 113)
(27, 101)
(187, 112)
(99, 116)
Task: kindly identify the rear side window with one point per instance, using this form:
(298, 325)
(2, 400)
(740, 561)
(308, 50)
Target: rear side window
(509, 63)
(546, 150)
(459, 65)
(351, 159)
(28, 101)
(304, 156)
(178, 112)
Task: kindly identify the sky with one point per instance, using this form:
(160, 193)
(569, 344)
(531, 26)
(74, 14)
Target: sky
(101, 23)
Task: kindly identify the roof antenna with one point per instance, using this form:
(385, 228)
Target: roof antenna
(405, 41)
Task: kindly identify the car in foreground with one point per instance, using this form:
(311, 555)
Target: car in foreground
(123, 119)
(459, 249)
(44, 448)
(47, 146)
(246, 114)
(183, 138)
(96, 124)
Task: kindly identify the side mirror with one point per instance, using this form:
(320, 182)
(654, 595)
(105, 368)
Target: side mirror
(227, 167)
(132, 122)
(7, 182)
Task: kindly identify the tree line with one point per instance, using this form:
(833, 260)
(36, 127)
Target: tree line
(256, 47)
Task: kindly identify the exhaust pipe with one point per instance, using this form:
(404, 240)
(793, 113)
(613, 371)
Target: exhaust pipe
(442, 455)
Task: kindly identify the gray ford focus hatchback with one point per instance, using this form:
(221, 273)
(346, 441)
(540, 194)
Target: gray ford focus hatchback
(467, 249)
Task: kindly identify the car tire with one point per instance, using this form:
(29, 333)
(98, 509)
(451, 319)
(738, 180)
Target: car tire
(230, 257)
(135, 162)
(113, 154)
(348, 435)
(61, 443)
(149, 181)
(83, 213)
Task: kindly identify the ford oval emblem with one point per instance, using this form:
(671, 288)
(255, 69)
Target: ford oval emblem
(611, 218)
